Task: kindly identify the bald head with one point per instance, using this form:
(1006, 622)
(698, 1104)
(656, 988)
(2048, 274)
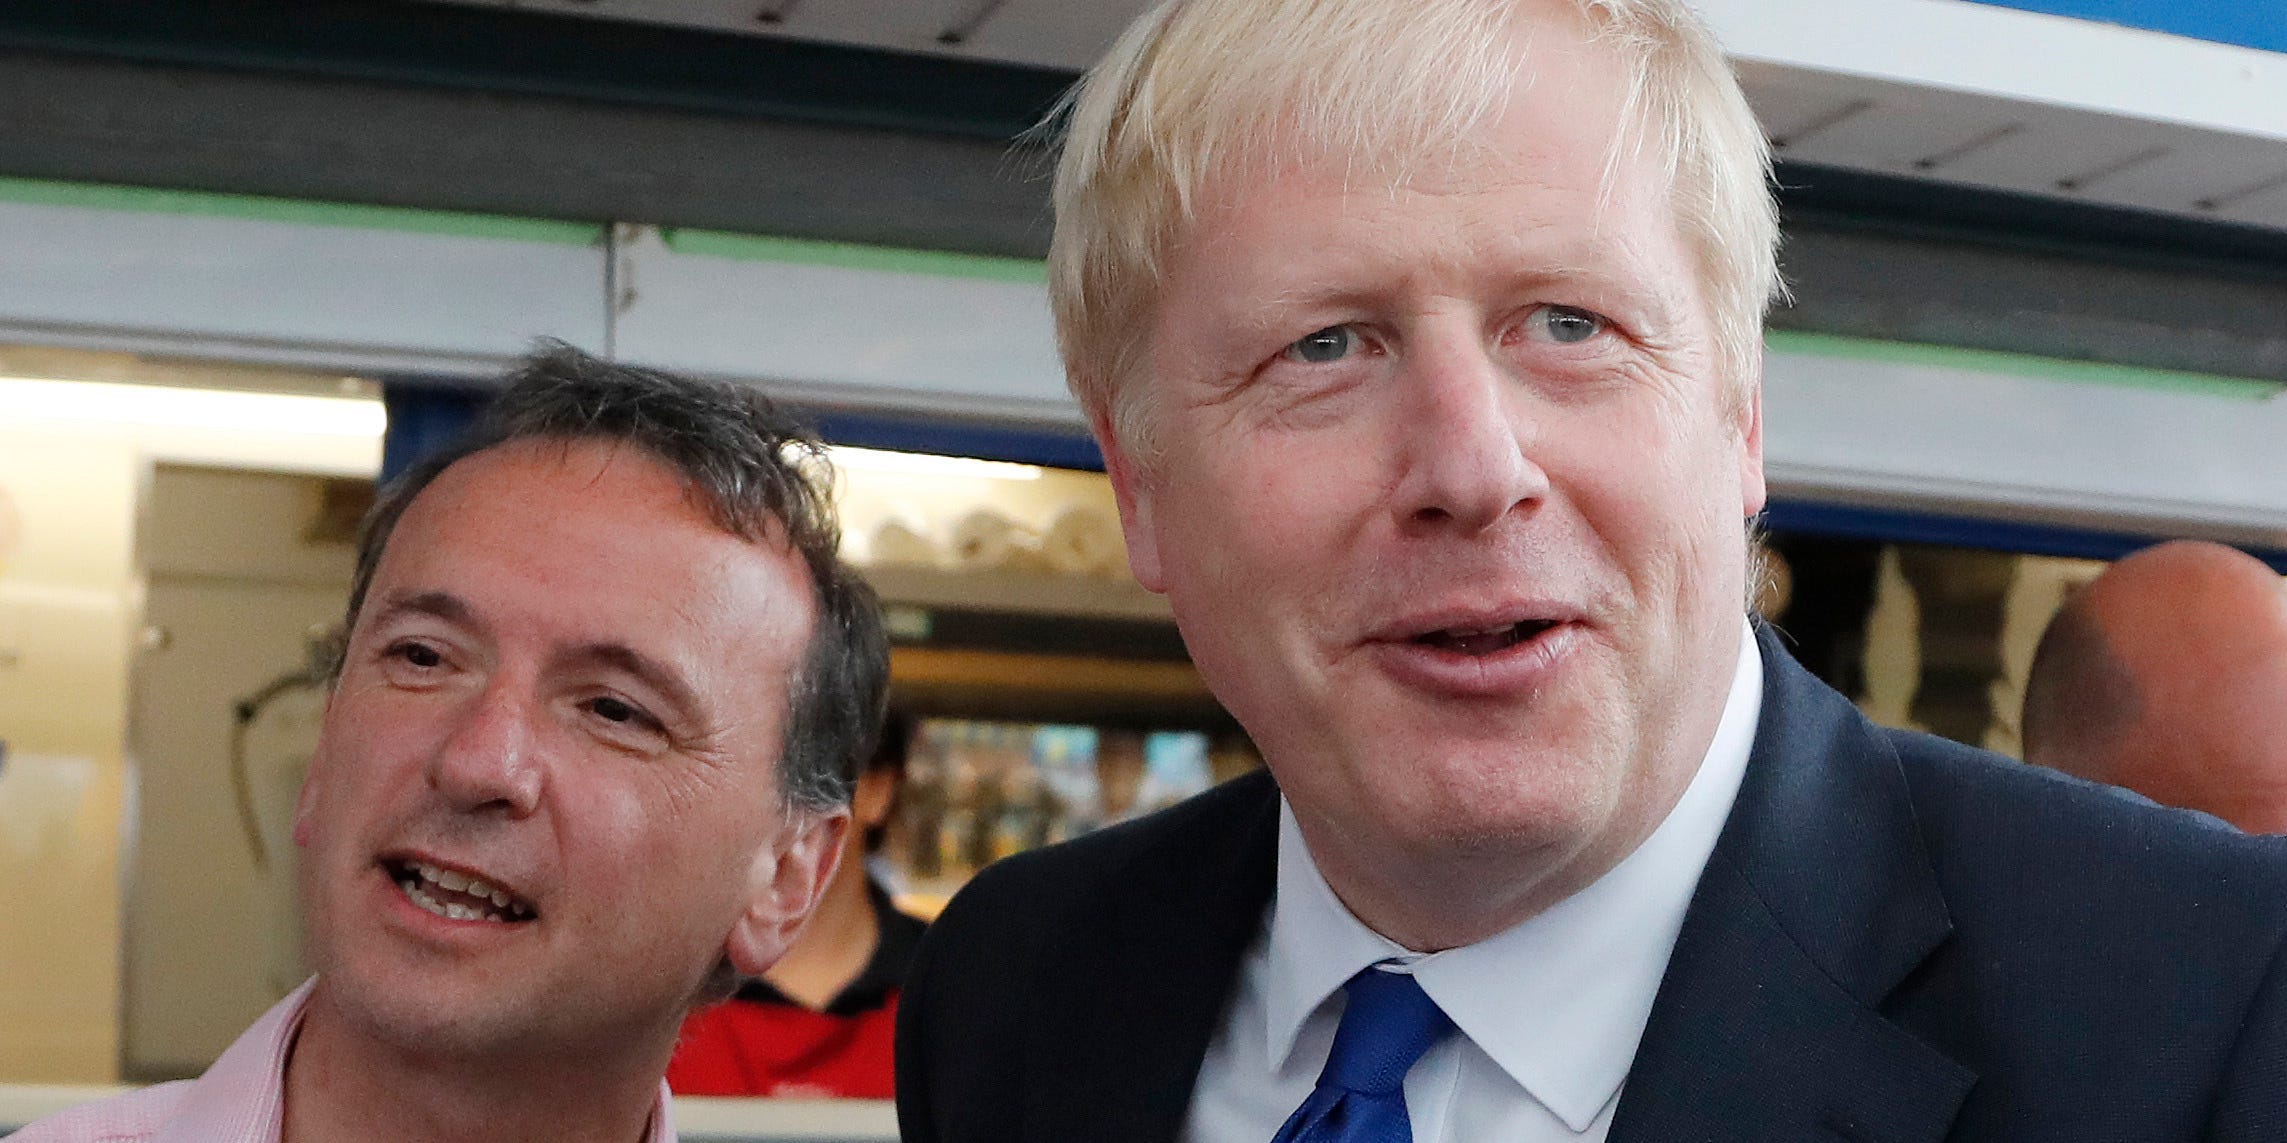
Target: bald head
(2168, 675)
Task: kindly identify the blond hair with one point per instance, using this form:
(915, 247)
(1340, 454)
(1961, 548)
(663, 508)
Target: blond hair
(1202, 90)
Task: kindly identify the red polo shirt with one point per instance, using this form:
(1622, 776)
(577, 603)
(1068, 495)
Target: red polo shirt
(759, 1042)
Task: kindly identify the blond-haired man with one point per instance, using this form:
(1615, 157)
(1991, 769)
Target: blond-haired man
(1423, 341)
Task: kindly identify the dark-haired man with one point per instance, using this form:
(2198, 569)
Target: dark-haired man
(587, 756)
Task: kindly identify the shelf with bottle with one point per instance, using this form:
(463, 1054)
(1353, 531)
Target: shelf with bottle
(979, 790)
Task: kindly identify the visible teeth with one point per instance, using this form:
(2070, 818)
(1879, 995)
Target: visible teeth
(422, 874)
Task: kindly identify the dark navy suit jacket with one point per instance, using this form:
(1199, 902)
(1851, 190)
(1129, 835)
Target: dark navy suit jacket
(1897, 940)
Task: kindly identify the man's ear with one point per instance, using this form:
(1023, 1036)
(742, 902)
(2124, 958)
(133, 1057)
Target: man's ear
(1752, 489)
(1134, 495)
(306, 801)
(785, 883)
(871, 801)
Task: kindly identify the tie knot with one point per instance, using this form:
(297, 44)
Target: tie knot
(1387, 1026)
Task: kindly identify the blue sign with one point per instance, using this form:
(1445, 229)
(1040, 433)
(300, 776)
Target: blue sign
(2248, 23)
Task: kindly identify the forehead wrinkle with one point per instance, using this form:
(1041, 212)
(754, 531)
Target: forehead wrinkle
(1399, 273)
(1552, 246)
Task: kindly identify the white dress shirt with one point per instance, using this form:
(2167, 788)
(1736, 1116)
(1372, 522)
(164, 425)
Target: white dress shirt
(1549, 1012)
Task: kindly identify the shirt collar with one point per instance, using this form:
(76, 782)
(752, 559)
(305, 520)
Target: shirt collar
(243, 1096)
(1559, 1002)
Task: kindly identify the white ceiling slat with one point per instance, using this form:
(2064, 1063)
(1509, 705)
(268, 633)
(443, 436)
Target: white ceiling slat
(717, 15)
(1896, 130)
(1055, 33)
(1042, 33)
(1960, 93)
(903, 25)
(2267, 207)
(2017, 57)
(1975, 140)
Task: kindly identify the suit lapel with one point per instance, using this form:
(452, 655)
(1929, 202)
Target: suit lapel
(1818, 902)
(1129, 1055)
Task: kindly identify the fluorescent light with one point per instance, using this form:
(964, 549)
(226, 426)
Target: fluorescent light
(928, 464)
(212, 410)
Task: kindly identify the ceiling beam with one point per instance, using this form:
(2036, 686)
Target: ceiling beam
(517, 113)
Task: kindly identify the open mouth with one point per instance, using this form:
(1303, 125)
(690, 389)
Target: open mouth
(1479, 642)
(456, 895)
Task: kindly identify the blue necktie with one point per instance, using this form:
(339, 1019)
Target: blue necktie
(1361, 1095)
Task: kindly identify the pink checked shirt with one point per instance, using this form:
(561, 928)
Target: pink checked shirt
(241, 1099)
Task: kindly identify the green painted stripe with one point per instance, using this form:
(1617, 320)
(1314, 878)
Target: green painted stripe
(2023, 365)
(148, 200)
(932, 263)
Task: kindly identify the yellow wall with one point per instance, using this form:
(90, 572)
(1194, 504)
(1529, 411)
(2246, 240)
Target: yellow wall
(68, 601)
(72, 602)
(237, 585)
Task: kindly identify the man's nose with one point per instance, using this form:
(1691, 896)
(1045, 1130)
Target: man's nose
(489, 762)
(1465, 441)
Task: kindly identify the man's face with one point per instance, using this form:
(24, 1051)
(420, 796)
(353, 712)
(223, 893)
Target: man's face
(569, 684)
(1450, 499)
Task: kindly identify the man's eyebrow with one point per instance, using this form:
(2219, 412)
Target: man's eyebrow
(442, 605)
(649, 671)
(1523, 272)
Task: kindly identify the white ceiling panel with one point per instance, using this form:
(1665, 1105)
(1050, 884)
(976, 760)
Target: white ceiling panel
(1977, 140)
(2260, 204)
(2070, 110)
(2075, 158)
(1055, 33)
(715, 15)
(1045, 33)
(903, 25)
(1870, 125)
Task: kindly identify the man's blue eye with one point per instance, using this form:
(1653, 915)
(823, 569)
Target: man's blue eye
(1330, 344)
(1568, 326)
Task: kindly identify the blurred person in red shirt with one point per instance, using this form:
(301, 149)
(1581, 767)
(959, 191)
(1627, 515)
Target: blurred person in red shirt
(820, 1023)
